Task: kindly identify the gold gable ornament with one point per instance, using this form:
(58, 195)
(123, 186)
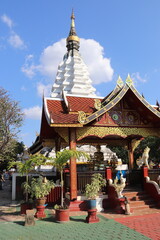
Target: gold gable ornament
(97, 104)
(129, 81)
(81, 117)
(120, 82)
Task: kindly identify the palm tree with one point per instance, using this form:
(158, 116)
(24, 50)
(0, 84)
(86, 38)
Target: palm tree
(60, 161)
(26, 166)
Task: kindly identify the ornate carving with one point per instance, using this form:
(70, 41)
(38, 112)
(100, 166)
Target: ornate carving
(81, 117)
(108, 106)
(97, 104)
(120, 82)
(63, 132)
(101, 132)
(119, 186)
(129, 80)
(144, 101)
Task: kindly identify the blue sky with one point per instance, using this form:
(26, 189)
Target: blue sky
(118, 37)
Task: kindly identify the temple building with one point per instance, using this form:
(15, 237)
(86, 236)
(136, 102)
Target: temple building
(74, 116)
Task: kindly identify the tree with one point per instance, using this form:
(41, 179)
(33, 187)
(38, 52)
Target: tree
(26, 166)
(121, 152)
(11, 118)
(61, 160)
(154, 144)
(11, 154)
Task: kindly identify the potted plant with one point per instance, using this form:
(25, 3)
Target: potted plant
(39, 188)
(62, 157)
(24, 168)
(92, 190)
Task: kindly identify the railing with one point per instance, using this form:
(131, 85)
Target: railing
(153, 174)
(54, 197)
(83, 178)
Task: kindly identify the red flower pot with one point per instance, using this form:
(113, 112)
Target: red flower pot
(62, 215)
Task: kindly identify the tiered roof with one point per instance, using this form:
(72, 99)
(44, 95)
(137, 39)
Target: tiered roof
(73, 103)
(72, 75)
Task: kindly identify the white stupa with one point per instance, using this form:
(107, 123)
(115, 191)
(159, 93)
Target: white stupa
(72, 76)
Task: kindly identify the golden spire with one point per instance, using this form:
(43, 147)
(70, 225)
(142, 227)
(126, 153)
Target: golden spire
(72, 20)
(120, 82)
(72, 34)
(129, 80)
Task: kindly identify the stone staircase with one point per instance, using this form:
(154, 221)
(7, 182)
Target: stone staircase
(138, 199)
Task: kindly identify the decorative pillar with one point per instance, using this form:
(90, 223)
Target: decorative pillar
(73, 166)
(130, 155)
(145, 171)
(108, 173)
(144, 175)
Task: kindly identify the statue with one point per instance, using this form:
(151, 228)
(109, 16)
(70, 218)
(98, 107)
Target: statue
(113, 161)
(98, 156)
(119, 185)
(144, 159)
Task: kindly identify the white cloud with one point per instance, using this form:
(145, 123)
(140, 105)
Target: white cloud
(137, 78)
(92, 53)
(99, 66)
(29, 68)
(51, 57)
(33, 112)
(7, 20)
(15, 41)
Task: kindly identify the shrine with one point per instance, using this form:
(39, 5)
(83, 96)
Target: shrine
(74, 116)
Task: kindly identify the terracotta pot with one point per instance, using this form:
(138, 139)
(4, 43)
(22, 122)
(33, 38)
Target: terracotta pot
(40, 201)
(25, 206)
(62, 215)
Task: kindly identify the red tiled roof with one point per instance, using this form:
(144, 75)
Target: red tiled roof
(55, 106)
(81, 104)
(64, 118)
(58, 112)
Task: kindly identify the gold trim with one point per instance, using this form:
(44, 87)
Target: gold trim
(73, 38)
(144, 102)
(120, 82)
(129, 81)
(108, 106)
(81, 117)
(101, 132)
(65, 125)
(97, 104)
(63, 132)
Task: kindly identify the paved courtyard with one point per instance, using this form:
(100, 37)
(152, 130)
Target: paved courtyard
(142, 224)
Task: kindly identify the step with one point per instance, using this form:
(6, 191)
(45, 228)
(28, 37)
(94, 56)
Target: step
(141, 203)
(77, 205)
(135, 208)
(133, 196)
(138, 197)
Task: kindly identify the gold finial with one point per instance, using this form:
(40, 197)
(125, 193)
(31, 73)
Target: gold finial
(97, 104)
(120, 82)
(129, 80)
(72, 34)
(72, 19)
(81, 117)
